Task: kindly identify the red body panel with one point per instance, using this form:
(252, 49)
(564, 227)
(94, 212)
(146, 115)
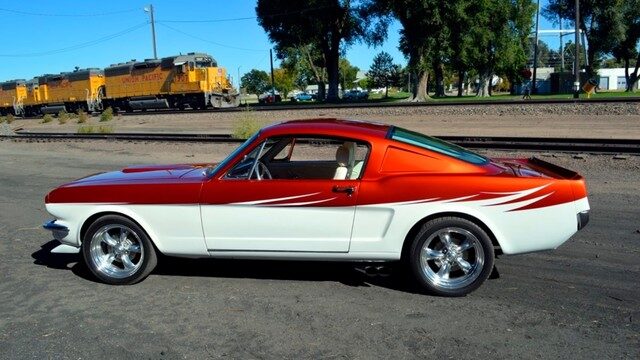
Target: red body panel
(394, 172)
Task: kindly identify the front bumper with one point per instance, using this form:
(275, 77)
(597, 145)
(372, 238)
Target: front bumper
(59, 231)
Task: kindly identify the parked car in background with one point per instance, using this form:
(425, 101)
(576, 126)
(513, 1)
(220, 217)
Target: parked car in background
(325, 189)
(302, 96)
(269, 97)
(355, 94)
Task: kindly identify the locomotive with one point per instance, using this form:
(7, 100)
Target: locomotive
(186, 81)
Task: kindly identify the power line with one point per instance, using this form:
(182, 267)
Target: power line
(208, 41)
(20, 12)
(294, 12)
(80, 46)
(209, 21)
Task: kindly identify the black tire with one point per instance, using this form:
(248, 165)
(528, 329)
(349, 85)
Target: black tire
(96, 251)
(433, 263)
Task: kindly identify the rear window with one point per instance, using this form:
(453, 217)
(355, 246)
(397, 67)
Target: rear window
(437, 145)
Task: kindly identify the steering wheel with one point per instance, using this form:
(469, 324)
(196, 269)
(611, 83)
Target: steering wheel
(262, 172)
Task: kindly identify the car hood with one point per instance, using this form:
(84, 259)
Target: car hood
(148, 184)
(144, 173)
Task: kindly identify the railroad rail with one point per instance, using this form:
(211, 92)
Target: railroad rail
(595, 146)
(398, 104)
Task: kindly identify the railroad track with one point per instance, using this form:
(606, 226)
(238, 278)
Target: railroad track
(362, 105)
(596, 146)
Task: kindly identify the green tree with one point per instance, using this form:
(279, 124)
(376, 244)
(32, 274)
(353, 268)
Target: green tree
(325, 25)
(308, 64)
(255, 81)
(284, 81)
(601, 21)
(627, 49)
(382, 72)
(348, 74)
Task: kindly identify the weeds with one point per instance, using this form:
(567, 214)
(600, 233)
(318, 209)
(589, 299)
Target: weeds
(90, 129)
(9, 118)
(247, 125)
(82, 117)
(106, 115)
(47, 118)
(86, 129)
(2, 119)
(63, 117)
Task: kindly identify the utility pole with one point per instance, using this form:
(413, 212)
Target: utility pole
(149, 10)
(576, 56)
(534, 88)
(273, 83)
(561, 47)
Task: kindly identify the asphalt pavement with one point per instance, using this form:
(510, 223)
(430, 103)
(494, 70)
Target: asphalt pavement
(581, 301)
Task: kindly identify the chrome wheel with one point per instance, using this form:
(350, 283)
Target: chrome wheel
(116, 251)
(452, 258)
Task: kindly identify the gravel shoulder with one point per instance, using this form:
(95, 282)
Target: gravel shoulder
(579, 301)
(619, 120)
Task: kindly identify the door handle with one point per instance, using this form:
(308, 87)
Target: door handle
(349, 190)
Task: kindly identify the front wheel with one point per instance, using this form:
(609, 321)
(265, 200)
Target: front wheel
(118, 251)
(451, 256)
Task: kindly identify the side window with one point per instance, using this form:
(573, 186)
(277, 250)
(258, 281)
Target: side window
(292, 158)
(251, 165)
(319, 158)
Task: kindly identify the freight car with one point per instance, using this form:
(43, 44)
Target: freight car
(177, 82)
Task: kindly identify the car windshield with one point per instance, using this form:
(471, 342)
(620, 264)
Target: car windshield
(437, 145)
(233, 155)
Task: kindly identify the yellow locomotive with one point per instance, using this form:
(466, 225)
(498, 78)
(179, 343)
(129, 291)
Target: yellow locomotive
(191, 81)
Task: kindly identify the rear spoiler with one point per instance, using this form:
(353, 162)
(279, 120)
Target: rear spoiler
(558, 170)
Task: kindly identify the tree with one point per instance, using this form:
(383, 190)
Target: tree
(382, 72)
(627, 49)
(256, 81)
(308, 63)
(324, 25)
(348, 74)
(284, 81)
(600, 20)
(498, 38)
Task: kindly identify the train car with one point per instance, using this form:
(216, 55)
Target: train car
(81, 89)
(177, 82)
(12, 95)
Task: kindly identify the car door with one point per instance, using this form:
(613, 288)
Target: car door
(295, 211)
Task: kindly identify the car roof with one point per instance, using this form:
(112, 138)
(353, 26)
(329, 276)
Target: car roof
(329, 126)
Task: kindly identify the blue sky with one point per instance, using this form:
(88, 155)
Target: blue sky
(53, 36)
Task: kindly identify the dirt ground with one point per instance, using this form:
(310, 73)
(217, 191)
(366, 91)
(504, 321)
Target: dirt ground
(556, 120)
(581, 301)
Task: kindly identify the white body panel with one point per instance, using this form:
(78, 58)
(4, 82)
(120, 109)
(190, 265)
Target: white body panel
(174, 229)
(275, 228)
(371, 232)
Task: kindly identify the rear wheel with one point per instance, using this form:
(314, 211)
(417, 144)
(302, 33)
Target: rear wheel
(451, 256)
(118, 251)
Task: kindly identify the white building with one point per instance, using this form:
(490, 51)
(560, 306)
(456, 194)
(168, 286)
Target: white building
(614, 79)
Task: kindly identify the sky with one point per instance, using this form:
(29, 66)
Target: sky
(41, 36)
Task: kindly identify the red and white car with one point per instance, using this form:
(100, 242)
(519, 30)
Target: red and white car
(325, 190)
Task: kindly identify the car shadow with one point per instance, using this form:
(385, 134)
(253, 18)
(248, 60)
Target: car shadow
(72, 262)
(356, 274)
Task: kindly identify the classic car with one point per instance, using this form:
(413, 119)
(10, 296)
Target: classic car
(325, 189)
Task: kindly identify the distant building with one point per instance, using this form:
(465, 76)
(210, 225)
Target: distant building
(613, 79)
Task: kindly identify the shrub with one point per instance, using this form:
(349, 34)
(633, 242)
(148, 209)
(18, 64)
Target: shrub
(247, 125)
(82, 117)
(105, 129)
(47, 118)
(106, 115)
(63, 117)
(9, 119)
(86, 129)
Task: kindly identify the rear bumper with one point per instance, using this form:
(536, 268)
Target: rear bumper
(583, 219)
